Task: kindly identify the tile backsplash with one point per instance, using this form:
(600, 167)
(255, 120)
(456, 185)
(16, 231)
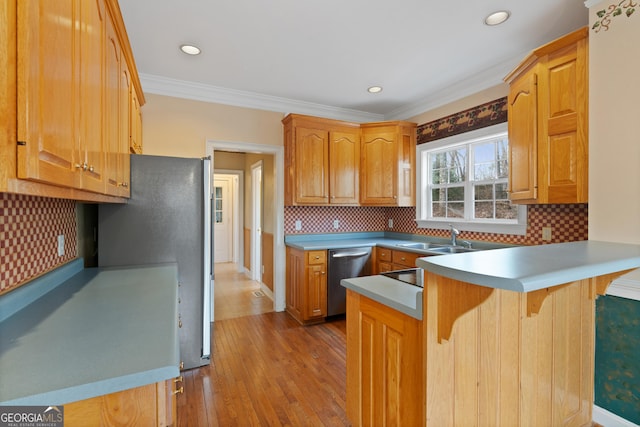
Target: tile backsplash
(29, 230)
(568, 222)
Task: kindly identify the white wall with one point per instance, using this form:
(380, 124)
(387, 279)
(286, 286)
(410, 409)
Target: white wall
(614, 128)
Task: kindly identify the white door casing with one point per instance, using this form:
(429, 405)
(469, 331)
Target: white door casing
(279, 264)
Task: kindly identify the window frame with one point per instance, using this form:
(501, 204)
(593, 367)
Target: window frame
(423, 189)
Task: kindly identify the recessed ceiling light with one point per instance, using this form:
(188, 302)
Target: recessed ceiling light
(190, 49)
(374, 89)
(497, 18)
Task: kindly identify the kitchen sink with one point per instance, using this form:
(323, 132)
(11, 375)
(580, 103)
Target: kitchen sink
(420, 245)
(452, 249)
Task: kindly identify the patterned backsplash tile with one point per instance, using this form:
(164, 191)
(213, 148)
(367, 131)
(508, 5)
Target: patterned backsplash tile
(569, 223)
(29, 230)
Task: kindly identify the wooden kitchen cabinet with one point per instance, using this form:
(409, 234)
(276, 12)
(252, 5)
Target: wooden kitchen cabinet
(55, 112)
(306, 294)
(150, 405)
(322, 161)
(385, 374)
(390, 259)
(388, 158)
(548, 123)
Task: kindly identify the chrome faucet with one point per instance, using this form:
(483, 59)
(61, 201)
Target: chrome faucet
(454, 235)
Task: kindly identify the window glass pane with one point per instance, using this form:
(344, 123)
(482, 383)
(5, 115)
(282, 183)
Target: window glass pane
(484, 171)
(438, 209)
(503, 169)
(484, 153)
(505, 210)
(455, 210)
(455, 194)
(218, 192)
(219, 217)
(439, 176)
(483, 210)
(483, 192)
(502, 149)
(501, 191)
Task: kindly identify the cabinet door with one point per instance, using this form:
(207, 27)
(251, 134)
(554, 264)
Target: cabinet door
(385, 377)
(92, 43)
(562, 156)
(523, 138)
(48, 92)
(311, 162)
(124, 99)
(294, 283)
(135, 139)
(316, 292)
(379, 168)
(112, 107)
(344, 167)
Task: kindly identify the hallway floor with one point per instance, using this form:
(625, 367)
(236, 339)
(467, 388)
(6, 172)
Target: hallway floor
(234, 294)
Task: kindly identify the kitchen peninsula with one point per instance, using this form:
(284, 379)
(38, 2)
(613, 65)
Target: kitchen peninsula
(507, 335)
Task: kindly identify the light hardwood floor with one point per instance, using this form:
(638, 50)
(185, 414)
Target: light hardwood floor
(234, 294)
(266, 369)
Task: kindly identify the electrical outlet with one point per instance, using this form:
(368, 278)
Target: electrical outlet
(336, 223)
(390, 222)
(298, 225)
(61, 245)
(546, 233)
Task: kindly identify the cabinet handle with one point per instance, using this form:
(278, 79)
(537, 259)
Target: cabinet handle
(179, 391)
(83, 166)
(91, 168)
(181, 365)
(403, 259)
(179, 379)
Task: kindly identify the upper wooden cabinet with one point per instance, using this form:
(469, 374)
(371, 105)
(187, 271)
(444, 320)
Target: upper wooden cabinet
(322, 161)
(548, 123)
(59, 105)
(388, 156)
(333, 162)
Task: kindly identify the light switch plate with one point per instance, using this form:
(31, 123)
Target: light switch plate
(546, 233)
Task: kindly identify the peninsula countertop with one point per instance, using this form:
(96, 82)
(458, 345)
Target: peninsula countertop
(98, 332)
(529, 268)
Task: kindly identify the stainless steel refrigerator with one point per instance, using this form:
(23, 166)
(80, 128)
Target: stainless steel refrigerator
(168, 219)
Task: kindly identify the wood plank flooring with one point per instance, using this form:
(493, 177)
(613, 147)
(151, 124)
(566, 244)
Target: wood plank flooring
(234, 294)
(267, 370)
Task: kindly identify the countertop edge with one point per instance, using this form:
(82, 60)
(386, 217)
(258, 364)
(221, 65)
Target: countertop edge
(388, 292)
(97, 388)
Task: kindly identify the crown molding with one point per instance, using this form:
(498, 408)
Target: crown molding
(214, 94)
(478, 82)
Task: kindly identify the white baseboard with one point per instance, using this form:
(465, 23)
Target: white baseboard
(609, 419)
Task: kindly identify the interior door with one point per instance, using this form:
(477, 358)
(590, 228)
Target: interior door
(223, 218)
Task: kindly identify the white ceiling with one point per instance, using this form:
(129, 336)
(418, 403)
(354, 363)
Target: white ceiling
(319, 56)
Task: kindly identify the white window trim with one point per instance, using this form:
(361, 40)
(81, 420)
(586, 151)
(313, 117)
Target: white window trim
(519, 228)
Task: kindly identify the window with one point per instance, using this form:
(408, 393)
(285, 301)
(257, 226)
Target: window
(462, 180)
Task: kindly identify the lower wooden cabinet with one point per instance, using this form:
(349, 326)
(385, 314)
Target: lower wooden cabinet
(385, 374)
(150, 405)
(389, 259)
(306, 295)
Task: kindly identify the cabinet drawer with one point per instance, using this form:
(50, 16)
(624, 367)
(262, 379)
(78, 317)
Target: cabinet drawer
(384, 255)
(407, 259)
(316, 257)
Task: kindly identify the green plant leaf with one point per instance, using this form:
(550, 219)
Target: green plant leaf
(630, 11)
(601, 13)
(617, 12)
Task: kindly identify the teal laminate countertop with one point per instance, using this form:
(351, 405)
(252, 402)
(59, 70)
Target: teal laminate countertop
(400, 296)
(98, 332)
(529, 268)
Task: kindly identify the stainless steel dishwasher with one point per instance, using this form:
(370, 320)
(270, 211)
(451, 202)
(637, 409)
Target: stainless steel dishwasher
(343, 264)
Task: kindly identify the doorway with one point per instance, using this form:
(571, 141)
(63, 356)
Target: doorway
(225, 213)
(275, 208)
